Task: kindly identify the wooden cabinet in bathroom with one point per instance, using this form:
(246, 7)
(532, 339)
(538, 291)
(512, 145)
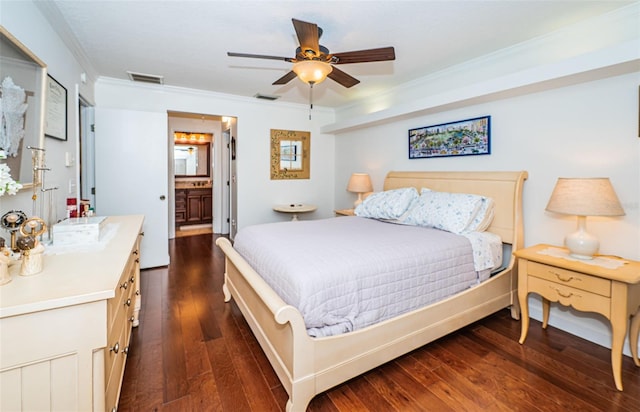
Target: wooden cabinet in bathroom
(194, 206)
(181, 206)
(199, 206)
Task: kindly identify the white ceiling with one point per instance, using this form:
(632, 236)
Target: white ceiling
(186, 41)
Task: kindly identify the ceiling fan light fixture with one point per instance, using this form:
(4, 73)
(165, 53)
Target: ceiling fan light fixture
(312, 71)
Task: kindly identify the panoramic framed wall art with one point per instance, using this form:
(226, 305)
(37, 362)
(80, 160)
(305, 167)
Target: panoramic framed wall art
(460, 138)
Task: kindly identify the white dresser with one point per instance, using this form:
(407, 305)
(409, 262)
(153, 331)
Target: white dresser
(64, 333)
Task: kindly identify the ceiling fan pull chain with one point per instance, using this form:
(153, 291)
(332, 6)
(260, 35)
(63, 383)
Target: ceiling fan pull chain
(310, 99)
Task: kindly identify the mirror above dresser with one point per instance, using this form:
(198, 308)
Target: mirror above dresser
(22, 90)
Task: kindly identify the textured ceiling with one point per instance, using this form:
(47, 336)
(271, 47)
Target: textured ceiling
(186, 41)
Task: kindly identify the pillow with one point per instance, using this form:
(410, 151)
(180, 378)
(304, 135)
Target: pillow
(390, 204)
(452, 212)
(483, 218)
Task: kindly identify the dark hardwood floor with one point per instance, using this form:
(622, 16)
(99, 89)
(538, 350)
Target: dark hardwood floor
(193, 352)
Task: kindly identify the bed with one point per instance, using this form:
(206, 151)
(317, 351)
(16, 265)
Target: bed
(309, 365)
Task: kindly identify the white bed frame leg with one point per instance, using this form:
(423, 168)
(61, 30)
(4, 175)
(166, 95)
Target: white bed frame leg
(225, 290)
(298, 401)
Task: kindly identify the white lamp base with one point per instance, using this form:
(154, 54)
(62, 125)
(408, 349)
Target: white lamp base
(358, 201)
(581, 244)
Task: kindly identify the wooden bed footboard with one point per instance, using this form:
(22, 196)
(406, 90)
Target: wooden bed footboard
(307, 366)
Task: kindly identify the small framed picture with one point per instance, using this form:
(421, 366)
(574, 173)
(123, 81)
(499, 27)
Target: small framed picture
(55, 120)
(461, 138)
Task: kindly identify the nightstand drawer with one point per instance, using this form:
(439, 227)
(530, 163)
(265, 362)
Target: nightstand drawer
(570, 278)
(580, 299)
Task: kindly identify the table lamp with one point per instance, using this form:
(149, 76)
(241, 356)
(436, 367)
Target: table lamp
(359, 183)
(584, 197)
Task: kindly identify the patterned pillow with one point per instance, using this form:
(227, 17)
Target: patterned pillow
(483, 218)
(390, 204)
(452, 212)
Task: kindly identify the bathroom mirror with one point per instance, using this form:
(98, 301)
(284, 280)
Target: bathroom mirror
(191, 159)
(290, 154)
(22, 89)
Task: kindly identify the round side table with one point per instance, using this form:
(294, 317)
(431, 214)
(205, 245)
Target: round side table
(294, 209)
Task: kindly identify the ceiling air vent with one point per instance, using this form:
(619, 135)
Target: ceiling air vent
(266, 97)
(146, 78)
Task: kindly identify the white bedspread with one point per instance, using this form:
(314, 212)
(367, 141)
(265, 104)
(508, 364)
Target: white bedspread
(346, 273)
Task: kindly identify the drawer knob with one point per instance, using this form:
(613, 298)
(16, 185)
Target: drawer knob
(126, 350)
(124, 285)
(128, 302)
(114, 409)
(132, 319)
(137, 260)
(115, 348)
(135, 252)
(138, 292)
(132, 279)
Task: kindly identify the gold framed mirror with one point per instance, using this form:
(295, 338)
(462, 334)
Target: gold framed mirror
(290, 154)
(22, 89)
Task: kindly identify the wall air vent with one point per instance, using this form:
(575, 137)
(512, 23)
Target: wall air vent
(146, 78)
(266, 97)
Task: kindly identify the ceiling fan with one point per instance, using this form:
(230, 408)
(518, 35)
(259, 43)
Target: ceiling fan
(313, 62)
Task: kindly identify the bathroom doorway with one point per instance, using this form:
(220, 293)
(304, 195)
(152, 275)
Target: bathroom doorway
(198, 173)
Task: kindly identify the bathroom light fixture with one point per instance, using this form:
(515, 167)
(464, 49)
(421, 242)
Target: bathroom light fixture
(584, 197)
(359, 183)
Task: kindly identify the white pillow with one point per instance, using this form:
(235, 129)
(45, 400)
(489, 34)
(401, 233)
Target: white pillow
(483, 218)
(390, 204)
(452, 212)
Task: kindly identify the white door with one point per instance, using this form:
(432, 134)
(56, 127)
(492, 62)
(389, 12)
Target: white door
(131, 175)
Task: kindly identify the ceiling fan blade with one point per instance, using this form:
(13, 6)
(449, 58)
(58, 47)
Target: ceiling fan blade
(260, 56)
(308, 36)
(286, 78)
(365, 56)
(343, 78)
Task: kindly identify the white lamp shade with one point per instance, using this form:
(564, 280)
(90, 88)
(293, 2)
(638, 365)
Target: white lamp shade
(584, 197)
(359, 183)
(312, 71)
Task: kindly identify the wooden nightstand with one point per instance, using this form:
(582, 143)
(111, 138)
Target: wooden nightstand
(613, 293)
(344, 212)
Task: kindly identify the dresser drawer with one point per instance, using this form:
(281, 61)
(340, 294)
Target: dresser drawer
(125, 289)
(570, 278)
(580, 299)
(119, 335)
(115, 367)
(120, 312)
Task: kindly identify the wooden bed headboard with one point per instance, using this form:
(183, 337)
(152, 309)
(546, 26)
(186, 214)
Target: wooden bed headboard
(505, 188)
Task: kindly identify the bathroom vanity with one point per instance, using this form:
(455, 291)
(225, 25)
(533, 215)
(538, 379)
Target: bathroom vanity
(194, 206)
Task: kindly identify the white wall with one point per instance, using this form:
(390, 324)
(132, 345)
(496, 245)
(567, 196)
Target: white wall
(257, 193)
